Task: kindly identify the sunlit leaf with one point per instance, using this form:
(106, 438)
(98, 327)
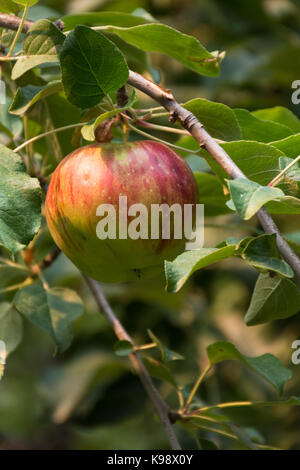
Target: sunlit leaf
(248, 197)
(262, 253)
(274, 298)
(217, 118)
(257, 129)
(281, 115)
(54, 310)
(29, 95)
(41, 44)
(20, 202)
(179, 270)
(166, 354)
(267, 365)
(182, 47)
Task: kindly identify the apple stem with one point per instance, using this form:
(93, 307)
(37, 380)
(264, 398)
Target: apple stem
(196, 386)
(150, 136)
(45, 134)
(19, 30)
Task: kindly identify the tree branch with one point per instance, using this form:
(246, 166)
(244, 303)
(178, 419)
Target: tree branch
(12, 22)
(196, 129)
(158, 402)
(122, 97)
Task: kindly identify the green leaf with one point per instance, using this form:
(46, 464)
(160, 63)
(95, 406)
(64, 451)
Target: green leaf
(104, 18)
(9, 6)
(88, 131)
(289, 146)
(281, 115)
(211, 194)
(20, 202)
(27, 63)
(179, 270)
(198, 165)
(53, 310)
(136, 59)
(262, 253)
(258, 161)
(217, 118)
(10, 125)
(92, 66)
(273, 298)
(267, 365)
(258, 129)
(24, 2)
(10, 327)
(240, 243)
(41, 44)
(158, 370)
(166, 354)
(188, 142)
(294, 171)
(123, 348)
(248, 197)
(293, 238)
(162, 38)
(29, 95)
(285, 205)
(11, 274)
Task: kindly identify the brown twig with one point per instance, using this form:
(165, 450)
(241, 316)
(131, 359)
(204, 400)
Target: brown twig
(122, 97)
(122, 100)
(158, 402)
(196, 129)
(12, 22)
(49, 258)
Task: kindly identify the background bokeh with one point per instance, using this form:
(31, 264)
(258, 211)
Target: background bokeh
(88, 398)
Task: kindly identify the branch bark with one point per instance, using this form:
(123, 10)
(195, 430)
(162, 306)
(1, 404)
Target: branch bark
(12, 22)
(158, 402)
(196, 129)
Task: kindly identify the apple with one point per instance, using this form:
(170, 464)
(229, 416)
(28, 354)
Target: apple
(147, 173)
